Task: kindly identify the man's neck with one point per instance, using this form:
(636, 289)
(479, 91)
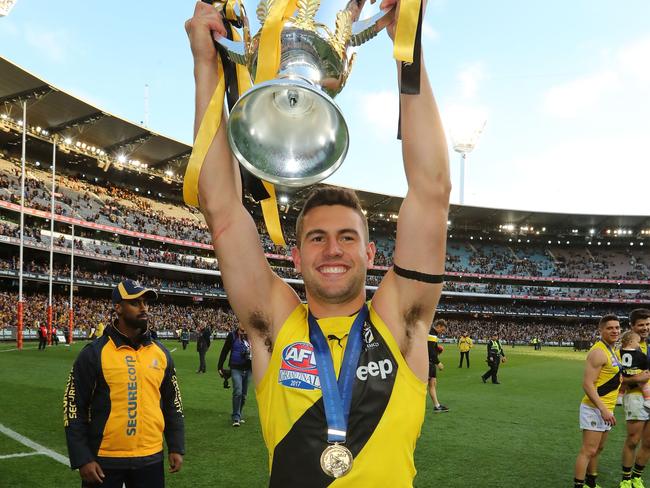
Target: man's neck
(133, 334)
(323, 310)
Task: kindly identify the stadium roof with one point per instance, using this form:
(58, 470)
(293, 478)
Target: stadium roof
(61, 113)
(477, 218)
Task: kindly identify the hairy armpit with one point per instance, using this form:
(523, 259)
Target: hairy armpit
(411, 320)
(262, 327)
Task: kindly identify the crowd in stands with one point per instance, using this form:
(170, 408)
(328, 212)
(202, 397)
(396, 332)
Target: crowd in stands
(212, 284)
(510, 331)
(547, 291)
(530, 308)
(88, 312)
(135, 211)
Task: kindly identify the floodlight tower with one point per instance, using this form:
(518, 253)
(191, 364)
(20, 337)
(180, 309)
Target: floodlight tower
(6, 6)
(465, 144)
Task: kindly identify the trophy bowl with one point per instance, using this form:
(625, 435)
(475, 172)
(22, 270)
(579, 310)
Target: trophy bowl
(288, 130)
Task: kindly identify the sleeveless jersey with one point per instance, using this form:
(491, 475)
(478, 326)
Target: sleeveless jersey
(386, 413)
(634, 388)
(608, 381)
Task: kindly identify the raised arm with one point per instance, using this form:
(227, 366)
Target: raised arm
(407, 305)
(259, 298)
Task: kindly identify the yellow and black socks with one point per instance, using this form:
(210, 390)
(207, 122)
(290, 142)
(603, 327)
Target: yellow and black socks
(627, 473)
(637, 471)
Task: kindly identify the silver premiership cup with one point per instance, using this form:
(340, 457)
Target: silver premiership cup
(288, 130)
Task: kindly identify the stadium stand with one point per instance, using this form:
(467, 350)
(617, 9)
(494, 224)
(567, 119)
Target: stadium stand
(524, 273)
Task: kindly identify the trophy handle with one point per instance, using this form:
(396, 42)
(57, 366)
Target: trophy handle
(233, 10)
(236, 50)
(366, 29)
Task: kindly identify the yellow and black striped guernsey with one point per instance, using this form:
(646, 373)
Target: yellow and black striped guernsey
(386, 414)
(609, 379)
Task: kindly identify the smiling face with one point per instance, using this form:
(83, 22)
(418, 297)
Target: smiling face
(610, 331)
(333, 254)
(642, 327)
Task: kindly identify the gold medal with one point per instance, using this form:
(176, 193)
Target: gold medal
(336, 460)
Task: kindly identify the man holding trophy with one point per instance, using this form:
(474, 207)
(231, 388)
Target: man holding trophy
(341, 383)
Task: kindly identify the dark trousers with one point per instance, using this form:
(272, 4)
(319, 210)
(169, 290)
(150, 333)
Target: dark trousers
(202, 361)
(185, 343)
(464, 354)
(494, 369)
(151, 476)
(42, 342)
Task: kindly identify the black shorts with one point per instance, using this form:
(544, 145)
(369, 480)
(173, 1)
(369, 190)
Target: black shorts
(432, 370)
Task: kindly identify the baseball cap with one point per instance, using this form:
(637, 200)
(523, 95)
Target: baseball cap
(130, 290)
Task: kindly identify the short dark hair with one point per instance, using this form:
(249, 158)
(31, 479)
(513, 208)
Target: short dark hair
(440, 323)
(331, 196)
(639, 314)
(610, 317)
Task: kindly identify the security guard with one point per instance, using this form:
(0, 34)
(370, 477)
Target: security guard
(495, 356)
(434, 350)
(122, 396)
(465, 343)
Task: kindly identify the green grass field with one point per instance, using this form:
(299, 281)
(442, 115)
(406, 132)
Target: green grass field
(521, 433)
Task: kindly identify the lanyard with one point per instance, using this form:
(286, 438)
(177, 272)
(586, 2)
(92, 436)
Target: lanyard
(337, 396)
(615, 362)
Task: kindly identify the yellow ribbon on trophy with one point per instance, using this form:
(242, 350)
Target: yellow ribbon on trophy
(269, 51)
(207, 130)
(407, 23)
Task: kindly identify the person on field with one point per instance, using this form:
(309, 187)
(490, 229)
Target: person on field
(495, 356)
(121, 399)
(363, 431)
(602, 379)
(42, 335)
(434, 350)
(185, 337)
(636, 448)
(465, 345)
(634, 362)
(237, 345)
(203, 338)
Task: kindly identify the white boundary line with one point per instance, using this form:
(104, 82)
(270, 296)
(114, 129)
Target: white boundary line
(15, 349)
(21, 454)
(37, 447)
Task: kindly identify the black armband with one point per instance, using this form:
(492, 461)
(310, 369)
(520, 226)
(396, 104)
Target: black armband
(417, 276)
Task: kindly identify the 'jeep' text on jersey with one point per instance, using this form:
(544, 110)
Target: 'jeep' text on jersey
(386, 414)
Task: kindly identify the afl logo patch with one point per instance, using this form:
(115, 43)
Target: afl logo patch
(298, 369)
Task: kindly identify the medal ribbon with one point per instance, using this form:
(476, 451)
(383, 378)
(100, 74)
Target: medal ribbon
(337, 395)
(615, 361)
